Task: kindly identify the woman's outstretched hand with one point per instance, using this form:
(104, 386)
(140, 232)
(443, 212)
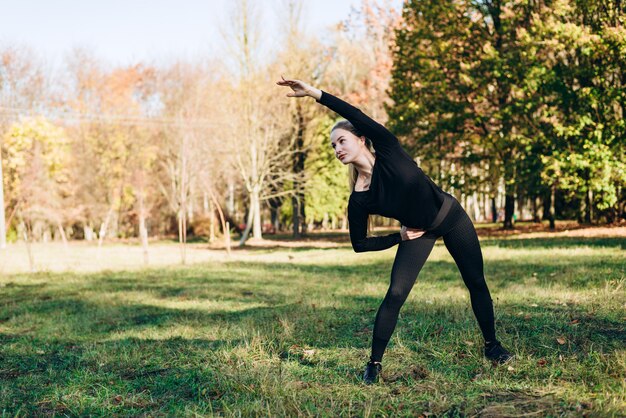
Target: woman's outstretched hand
(411, 233)
(300, 88)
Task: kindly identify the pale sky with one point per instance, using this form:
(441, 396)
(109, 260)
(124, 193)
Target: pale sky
(127, 31)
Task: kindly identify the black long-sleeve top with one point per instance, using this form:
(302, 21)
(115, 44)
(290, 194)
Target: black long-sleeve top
(398, 189)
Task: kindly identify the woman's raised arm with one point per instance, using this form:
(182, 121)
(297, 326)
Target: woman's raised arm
(383, 140)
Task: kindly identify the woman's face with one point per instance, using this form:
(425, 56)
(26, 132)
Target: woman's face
(348, 147)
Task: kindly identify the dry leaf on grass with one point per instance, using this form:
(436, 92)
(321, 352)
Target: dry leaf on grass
(561, 340)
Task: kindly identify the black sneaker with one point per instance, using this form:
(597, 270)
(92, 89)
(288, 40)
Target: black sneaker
(496, 353)
(372, 370)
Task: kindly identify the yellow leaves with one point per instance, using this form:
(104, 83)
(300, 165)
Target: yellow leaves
(32, 136)
(489, 50)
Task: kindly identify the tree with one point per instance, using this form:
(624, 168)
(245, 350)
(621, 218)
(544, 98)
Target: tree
(36, 159)
(22, 86)
(581, 71)
(458, 86)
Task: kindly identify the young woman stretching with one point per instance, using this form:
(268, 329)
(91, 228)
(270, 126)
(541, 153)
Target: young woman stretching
(390, 183)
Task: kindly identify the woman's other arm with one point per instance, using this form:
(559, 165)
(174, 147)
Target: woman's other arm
(357, 220)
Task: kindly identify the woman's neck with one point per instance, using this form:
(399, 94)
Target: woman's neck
(365, 164)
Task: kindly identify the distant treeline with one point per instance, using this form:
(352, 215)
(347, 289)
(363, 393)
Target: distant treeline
(516, 107)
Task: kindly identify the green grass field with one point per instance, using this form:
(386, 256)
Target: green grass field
(287, 332)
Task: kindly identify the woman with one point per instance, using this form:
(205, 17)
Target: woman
(390, 183)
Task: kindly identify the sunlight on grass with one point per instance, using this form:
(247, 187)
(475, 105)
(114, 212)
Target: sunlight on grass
(255, 335)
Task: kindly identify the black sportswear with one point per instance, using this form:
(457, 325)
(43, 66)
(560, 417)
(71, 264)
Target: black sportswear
(398, 189)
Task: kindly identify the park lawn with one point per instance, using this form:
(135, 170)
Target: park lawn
(289, 333)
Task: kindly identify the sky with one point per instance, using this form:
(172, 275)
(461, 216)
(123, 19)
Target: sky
(123, 32)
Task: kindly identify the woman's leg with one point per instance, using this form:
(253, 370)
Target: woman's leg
(462, 243)
(410, 258)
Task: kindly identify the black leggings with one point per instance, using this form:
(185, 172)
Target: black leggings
(459, 236)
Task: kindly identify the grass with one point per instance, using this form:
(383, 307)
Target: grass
(287, 333)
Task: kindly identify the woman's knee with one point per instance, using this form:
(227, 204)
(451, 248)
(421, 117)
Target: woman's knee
(476, 283)
(396, 297)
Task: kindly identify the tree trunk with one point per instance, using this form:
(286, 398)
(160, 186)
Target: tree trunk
(225, 224)
(257, 231)
(182, 234)
(104, 227)
(274, 217)
(246, 232)
(3, 225)
(143, 230)
(552, 208)
(494, 210)
(295, 207)
(509, 209)
(88, 232)
(299, 227)
(62, 233)
(29, 250)
(589, 204)
(536, 207)
(509, 193)
(230, 202)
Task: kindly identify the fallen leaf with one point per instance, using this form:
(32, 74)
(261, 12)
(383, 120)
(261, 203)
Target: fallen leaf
(574, 321)
(561, 340)
(117, 400)
(542, 362)
(510, 368)
(534, 305)
(469, 343)
(527, 317)
(308, 352)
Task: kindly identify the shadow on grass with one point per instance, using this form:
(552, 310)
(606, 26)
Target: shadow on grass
(68, 334)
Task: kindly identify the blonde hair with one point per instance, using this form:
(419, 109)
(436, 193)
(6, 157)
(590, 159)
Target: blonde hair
(352, 171)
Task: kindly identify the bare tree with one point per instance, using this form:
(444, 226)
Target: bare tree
(184, 89)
